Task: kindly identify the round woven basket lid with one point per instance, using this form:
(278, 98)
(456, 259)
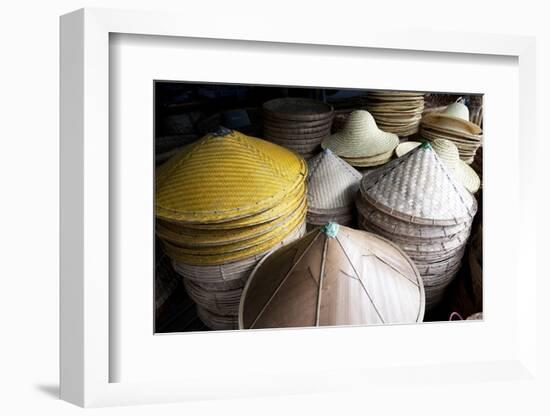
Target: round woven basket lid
(226, 177)
(331, 182)
(419, 188)
(299, 109)
(333, 276)
(449, 155)
(360, 138)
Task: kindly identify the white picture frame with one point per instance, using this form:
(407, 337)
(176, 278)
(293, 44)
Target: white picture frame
(86, 306)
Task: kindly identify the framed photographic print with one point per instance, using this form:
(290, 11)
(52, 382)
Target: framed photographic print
(238, 211)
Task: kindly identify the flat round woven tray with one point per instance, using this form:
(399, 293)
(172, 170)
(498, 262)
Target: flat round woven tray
(225, 303)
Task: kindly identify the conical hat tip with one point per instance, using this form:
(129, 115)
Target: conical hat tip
(330, 229)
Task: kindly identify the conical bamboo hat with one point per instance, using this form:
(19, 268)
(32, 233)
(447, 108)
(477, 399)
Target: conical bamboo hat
(332, 183)
(449, 155)
(419, 188)
(333, 276)
(360, 138)
(225, 177)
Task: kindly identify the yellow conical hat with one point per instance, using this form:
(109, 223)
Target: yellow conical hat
(224, 177)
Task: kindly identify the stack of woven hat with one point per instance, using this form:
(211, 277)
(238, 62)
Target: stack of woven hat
(222, 203)
(416, 202)
(331, 187)
(333, 276)
(448, 153)
(396, 112)
(453, 124)
(297, 123)
(361, 143)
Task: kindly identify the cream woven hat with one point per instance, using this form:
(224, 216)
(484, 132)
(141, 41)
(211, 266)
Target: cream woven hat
(360, 138)
(456, 117)
(448, 153)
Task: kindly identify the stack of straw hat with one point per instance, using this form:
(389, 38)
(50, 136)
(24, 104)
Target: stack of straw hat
(299, 124)
(416, 202)
(361, 143)
(453, 124)
(396, 112)
(331, 187)
(448, 153)
(222, 203)
(166, 279)
(334, 275)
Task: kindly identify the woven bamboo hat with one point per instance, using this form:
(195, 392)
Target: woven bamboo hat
(456, 117)
(333, 276)
(448, 153)
(331, 184)
(226, 176)
(360, 138)
(419, 188)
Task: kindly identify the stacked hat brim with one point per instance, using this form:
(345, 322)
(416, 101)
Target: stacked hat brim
(460, 170)
(166, 279)
(417, 203)
(444, 125)
(396, 112)
(334, 275)
(299, 124)
(221, 205)
(331, 187)
(361, 143)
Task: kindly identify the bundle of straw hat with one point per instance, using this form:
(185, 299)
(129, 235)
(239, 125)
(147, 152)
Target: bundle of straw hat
(334, 275)
(396, 111)
(361, 143)
(166, 280)
(448, 153)
(416, 202)
(221, 204)
(453, 124)
(331, 187)
(299, 124)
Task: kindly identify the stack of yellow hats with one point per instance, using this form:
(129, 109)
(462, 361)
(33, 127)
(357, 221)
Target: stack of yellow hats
(221, 204)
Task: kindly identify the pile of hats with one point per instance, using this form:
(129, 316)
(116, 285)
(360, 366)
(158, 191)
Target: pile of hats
(361, 143)
(331, 187)
(448, 153)
(222, 203)
(166, 279)
(416, 202)
(453, 124)
(299, 124)
(396, 111)
(333, 276)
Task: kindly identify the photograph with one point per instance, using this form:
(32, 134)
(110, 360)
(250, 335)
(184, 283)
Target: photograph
(295, 207)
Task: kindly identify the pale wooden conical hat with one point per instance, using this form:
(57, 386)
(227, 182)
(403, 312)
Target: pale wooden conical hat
(331, 183)
(333, 276)
(448, 153)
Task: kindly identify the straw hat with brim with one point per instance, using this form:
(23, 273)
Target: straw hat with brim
(334, 275)
(226, 177)
(448, 153)
(455, 117)
(377, 160)
(360, 138)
